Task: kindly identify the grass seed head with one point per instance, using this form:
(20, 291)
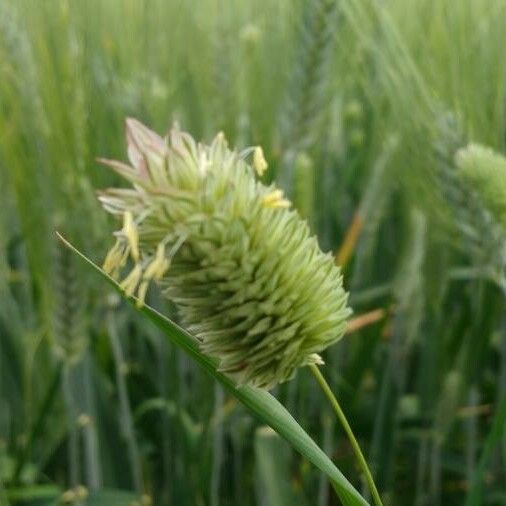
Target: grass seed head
(248, 279)
(485, 171)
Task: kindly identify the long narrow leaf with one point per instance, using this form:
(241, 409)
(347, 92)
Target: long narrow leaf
(266, 407)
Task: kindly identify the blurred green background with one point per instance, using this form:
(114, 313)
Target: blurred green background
(360, 106)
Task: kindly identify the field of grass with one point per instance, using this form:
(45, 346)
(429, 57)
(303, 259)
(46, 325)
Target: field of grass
(361, 107)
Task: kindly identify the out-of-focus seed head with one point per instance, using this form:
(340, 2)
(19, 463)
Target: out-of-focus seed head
(248, 280)
(485, 171)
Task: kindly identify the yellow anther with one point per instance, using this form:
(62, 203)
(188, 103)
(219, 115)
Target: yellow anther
(259, 162)
(129, 284)
(115, 259)
(141, 293)
(281, 204)
(273, 196)
(158, 267)
(275, 200)
(131, 234)
(155, 270)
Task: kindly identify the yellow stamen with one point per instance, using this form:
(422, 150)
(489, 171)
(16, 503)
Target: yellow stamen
(141, 293)
(158, 267)
(273, 196)
(129, 284)
(275, 200)
(155, 270)
(259, 162)
(131, 234)
(115, 259)
(281, 204)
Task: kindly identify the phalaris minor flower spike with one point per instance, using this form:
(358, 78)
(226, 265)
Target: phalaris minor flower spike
(248, 280)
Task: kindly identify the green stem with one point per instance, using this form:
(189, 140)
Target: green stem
(40, 421)
(346, 426)
(125, 409)
(3, 495)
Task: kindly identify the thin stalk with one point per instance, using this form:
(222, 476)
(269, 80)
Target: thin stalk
(351, 437)
(39, 425)
(421, 471)
(93, 465)
(3, 495)
(217, 447)
(328, 429)
(124, 405)
(167, 429)
(73, 444)
(472, 433)
(435, 472)
(237, 461)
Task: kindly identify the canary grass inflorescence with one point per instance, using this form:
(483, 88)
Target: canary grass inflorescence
(249, 281)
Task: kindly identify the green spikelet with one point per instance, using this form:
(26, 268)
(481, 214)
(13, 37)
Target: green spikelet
(308, 87)
(306, 93)
(485, 171)
(479, 232)
(249, 281)
(69, 337)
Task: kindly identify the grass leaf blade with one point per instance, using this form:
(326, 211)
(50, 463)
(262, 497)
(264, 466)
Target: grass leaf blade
(261, 403)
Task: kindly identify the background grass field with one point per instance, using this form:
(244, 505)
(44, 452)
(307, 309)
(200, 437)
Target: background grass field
(360, 106)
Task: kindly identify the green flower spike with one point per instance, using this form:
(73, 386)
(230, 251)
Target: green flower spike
(248, 280)
(485, 170)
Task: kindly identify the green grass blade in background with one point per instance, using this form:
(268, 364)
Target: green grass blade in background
(475, 496)
(112, 498)
(261, 403)
(272, 469)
